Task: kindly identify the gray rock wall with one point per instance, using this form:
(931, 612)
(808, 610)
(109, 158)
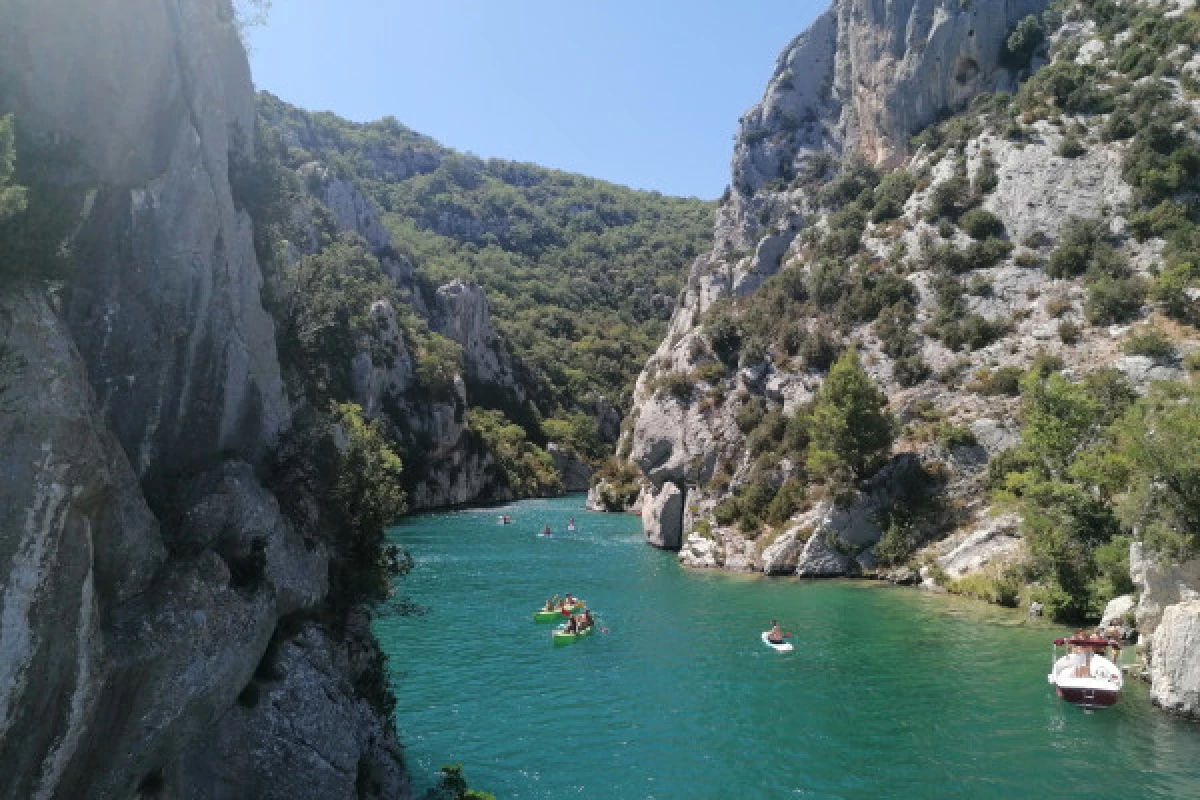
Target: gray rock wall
(125, 640)
(164, 304)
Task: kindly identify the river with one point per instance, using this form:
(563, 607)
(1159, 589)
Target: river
(889, 693)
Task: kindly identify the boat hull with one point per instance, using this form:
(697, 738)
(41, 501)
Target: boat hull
(557, 615)
(562, 637)
(1089, 698)
(1087, 681)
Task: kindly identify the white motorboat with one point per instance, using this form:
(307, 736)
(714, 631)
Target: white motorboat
(1085, 676)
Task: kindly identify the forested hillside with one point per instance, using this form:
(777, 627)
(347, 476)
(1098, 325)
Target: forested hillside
(581, 275)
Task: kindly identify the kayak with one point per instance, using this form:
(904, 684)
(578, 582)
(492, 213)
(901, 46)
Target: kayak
(556, 615)
(560, 635)
(782, 647)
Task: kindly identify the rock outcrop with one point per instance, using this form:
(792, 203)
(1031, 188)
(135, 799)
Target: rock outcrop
(662, 517)
(164, 305)
(461, 313)
(144, 569)
(1174, 668)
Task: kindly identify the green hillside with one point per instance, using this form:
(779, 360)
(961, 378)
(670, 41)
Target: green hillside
(581, 274)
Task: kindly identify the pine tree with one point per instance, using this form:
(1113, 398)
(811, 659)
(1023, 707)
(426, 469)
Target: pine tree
(852, 431)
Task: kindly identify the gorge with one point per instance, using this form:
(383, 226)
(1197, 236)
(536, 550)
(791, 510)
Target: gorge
(941, 328)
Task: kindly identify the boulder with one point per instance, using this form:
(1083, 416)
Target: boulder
(699, 552)
(1117, 609)
(1175, 659)
(662, 517)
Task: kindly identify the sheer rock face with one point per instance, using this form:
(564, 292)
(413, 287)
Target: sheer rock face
(461, 313)
(868, 74)
(313, 737)
(156, 99)
(119, 645)
(865, 77)
(125, 638)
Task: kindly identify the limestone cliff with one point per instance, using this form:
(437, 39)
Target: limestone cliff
(131, 630)
(808, 261)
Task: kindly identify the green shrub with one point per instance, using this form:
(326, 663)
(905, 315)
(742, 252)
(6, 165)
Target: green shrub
(1002, 589)
(980, 224)
(987, 253)
(856, 177)
(952, 436)
(1170, 289)
(787, 501)
(894, 329)
(891, 195)
(724, 333)
(1071, 147)
(1069, 332)
(1111, 301)
(987, 176)
(727, 512)
(1161, 221)
(1118, 127)
(819, 350)
(679, 385)
(1000, 381)
(368, 495)
(951, 198)
(750, 414)
(1023, 42)
(972, 330)
(910, 370)
(1084, 246)
(1150, 342)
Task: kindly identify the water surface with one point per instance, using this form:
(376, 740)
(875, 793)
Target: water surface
(890, 692)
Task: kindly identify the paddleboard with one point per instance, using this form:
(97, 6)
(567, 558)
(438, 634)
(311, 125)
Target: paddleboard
(783, 647)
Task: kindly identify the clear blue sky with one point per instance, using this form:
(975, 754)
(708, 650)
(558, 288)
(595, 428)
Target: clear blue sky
(641, 92)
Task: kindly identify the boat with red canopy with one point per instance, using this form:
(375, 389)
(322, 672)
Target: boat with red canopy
(1087, 676)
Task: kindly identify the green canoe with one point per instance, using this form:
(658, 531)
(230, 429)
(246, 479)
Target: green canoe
(560, 636)
(556, 615)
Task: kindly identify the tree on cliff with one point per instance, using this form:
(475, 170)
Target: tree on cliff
(852, 431)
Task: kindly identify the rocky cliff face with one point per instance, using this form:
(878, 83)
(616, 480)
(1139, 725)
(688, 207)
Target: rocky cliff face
(165, 307)
(855, 87)
(127, 636)
(453, 470)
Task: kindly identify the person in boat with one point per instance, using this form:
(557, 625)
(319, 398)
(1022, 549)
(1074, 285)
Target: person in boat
(549, 604)
(569, 601)
(572, 626)
(585, 621)
(776, 634)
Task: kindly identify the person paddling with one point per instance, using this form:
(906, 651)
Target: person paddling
(776, 634)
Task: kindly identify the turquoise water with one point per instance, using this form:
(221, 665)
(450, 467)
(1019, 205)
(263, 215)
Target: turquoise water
(890, 692)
